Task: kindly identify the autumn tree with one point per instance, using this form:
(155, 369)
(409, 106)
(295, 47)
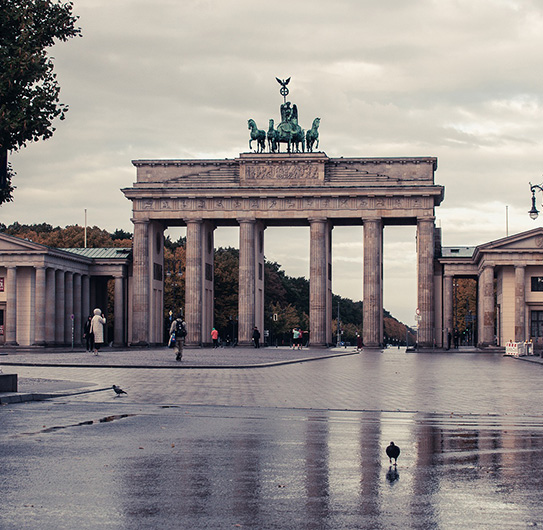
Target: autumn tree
(29, 91)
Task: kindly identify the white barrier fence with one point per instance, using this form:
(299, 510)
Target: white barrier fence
(517, 349)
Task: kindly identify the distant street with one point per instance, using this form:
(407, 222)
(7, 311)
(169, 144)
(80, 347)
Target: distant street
(290, 446)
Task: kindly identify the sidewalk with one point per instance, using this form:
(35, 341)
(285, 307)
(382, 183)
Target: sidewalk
(138, 358)
(163, 357)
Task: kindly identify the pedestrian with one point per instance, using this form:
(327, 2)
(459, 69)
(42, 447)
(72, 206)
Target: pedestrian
(178, 332)
(87, 333)
(296, 339)
(215, 337)
(97, 330)
(358, 342)
(256, 337)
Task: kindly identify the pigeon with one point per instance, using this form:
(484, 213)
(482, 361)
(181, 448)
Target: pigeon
(118, 390)
(393, 451)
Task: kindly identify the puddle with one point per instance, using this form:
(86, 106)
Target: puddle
(106, 419)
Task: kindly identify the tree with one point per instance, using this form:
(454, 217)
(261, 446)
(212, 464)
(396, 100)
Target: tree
(29, 91)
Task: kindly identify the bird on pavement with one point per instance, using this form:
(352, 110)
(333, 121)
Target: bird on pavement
(118, 390)
(393, 451)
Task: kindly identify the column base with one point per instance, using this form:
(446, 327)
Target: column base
(246, 344)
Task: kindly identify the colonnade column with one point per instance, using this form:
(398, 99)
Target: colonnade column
(41, 286)
(373, 283)
(208, 291)
(85, 297)
(193, 283)
(11, 309)
(318, 274)
(425, 268)
(50, 314)
(486, 306)
(246, 310)
(520, 304)
(141, 282)
(68, 307)
(259, 277)
(118, 329)
(59, 304)
(447, 309)
(78, 322)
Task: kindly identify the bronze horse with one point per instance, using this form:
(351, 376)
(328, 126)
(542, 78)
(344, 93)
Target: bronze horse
(312, 135)
(257, 134)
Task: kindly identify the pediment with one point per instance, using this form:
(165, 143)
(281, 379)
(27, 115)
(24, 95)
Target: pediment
(16, 244)
(525, 241)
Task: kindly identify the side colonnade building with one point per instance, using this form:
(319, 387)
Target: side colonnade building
(46, 294)
(509, 276)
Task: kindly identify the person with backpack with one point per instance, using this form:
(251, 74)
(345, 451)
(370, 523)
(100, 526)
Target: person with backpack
(178, 332)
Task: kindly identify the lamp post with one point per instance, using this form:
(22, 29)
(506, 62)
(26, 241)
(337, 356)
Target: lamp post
(533, 213)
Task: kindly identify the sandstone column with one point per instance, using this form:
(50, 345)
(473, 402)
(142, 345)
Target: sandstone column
(425, 257)
(50, 307)
(486, 306)
(78, 323)
(11, 307)
(447, 309)
(85, 298)
(208, 291)
(373, 283)
(60, 307)
(69, 308)
(39, 317)
(193, 283)
(140, 284)
(520, 304)
(118, 304)
(318, 270)
(246, 303)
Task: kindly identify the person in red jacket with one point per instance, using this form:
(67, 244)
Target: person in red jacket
(215, 337)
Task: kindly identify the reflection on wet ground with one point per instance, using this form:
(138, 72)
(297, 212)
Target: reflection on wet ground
(236, 462)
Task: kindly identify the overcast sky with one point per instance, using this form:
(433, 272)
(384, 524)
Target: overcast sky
(461, 80)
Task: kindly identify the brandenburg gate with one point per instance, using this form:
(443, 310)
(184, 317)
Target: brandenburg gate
(257, 190)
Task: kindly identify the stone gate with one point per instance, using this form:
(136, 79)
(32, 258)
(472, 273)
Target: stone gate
(254, 191)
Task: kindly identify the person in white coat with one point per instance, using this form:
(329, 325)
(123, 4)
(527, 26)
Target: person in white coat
(97, 330)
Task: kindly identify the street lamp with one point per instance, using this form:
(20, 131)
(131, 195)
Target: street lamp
(533, 213)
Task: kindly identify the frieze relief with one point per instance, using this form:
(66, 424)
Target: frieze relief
(227, 204)
(281, 172)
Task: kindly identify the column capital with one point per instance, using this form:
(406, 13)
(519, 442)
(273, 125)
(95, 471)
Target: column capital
(197, 220)
(317, 219)
(250, 220)
(137, 221)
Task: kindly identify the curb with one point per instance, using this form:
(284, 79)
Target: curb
(15, 397)
(184, 366)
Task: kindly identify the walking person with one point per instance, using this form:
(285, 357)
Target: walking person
(178, 332)
(215, 337)
(297, 338)
(87, 334)
(358, 342)
(97, 330)
(256, 337)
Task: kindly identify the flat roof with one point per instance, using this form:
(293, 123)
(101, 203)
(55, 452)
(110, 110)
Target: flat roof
(101, 253)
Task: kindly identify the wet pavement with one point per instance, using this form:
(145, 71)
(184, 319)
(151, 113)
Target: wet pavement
(278, 446)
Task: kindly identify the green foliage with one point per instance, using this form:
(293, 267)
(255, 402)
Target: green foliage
(226, 287)
(29, 91)
(70, 237)
(6, 187)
